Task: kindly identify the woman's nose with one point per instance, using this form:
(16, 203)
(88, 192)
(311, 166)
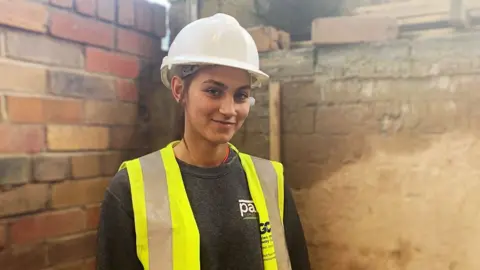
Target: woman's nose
(227, 106)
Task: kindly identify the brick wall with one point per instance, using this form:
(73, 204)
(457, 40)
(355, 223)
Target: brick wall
(381, 145)
(72, 76)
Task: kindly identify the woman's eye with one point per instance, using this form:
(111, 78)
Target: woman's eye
(214, 92)
(241, 96)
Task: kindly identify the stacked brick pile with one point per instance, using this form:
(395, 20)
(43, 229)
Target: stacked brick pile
(68, 109)
(379, 23)
(268, 38)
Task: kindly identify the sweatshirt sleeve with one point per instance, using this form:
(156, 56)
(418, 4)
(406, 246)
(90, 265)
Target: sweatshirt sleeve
(116, 248)
(297, 247)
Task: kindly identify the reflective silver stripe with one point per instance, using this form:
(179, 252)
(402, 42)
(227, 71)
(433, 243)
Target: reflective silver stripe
(159, 223)
(269, 182)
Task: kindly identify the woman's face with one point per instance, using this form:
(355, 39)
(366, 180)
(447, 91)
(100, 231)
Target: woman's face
(217, 103)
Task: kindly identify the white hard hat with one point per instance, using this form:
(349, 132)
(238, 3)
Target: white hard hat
(214, 40)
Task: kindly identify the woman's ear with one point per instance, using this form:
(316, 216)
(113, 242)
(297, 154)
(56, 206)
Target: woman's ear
(177, 88)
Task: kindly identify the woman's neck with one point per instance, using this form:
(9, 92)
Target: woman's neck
(200, 153)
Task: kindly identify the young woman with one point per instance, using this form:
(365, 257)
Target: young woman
(199, 203)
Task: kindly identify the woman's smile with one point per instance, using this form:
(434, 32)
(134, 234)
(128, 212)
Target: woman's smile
(224, 123)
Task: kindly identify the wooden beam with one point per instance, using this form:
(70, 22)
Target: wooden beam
(192, 10)
(459, 15)
(274, 119)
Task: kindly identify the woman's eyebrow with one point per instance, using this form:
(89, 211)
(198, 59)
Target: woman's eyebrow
(222, 85)
(217, 83)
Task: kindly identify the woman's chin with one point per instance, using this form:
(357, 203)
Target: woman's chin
(220, 137)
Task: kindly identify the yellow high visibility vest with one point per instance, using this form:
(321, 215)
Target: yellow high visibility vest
(167, 235)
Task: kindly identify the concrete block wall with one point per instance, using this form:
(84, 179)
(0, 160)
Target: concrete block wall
(380, 144)
(69, 114)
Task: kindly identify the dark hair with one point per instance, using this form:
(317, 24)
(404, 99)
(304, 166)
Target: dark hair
(179, 124)
(185, 73)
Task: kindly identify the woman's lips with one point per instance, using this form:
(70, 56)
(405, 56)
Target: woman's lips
(224, 123)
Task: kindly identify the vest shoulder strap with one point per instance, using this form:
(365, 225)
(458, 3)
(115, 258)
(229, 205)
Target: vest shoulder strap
(270, 173)
(136, 173)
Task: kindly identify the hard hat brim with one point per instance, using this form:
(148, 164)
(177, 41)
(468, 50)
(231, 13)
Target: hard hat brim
(260, 76)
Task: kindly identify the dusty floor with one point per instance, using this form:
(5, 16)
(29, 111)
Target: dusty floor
(410, 203)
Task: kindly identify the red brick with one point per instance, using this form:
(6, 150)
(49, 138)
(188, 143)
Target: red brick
(127, 90)
(125, 138)
(79, 192)
(51, 168)
(15, 170)
(159, 20)
(3, 109)
(92, 216)
(69, 84)
(87, 7)
(23, 77)
(135, 43)
(62, 3)
(27, 198)
(112, 63)
(25, 15)
(63, 111)
(144, 16)
(3, 236)
(73, 27)
(78, 265)
(110, 113)
(31, 229)
(343, 30)
(106, 10)
(90, 264)
(24, 257)
(21, 139)
(73, 248)
(126, 12)
(86, 165)
(48, 50)
(110, 162)
(67, 137)
(43, 110)
(265, 37)
(17, 112)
